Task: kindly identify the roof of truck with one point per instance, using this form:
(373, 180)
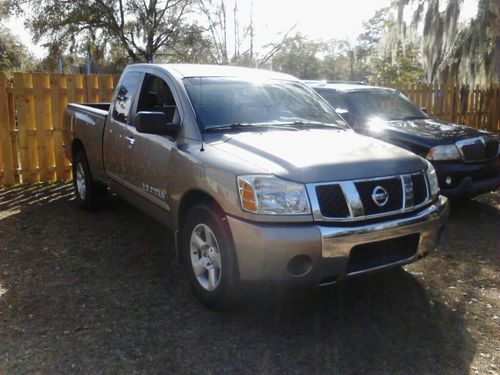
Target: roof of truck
(202, 70)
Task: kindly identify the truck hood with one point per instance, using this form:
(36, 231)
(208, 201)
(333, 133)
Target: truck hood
(317, 155)
(423, 132)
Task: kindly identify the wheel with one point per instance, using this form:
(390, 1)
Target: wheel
(209, 257)
(89, 194)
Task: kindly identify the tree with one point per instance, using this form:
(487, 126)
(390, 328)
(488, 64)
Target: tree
(215, 12)
(192, 46)
(13, 54)
(140, 27)
(453, 50)
(399, 66)
(299, 56)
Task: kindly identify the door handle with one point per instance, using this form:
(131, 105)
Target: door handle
(130, 140)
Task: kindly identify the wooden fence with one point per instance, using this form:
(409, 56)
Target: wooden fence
(32, 107)
(474, 107)
(31, 113)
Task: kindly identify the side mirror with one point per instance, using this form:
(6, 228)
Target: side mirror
(155, 123)
(423, 109)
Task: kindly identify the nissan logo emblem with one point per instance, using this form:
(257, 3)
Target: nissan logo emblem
(380, 196)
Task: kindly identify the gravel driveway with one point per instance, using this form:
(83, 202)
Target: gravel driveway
(102, 293)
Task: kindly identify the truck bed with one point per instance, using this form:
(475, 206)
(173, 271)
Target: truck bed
(86, 123)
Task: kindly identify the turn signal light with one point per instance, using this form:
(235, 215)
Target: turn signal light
(247, 195)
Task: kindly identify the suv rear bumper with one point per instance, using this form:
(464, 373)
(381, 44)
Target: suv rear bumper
(317, 254)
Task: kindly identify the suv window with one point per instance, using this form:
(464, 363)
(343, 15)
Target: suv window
(335, 99)
(156, 96)
(125, 96)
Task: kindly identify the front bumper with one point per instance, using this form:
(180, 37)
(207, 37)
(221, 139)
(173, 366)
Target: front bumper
(468, 179)
(319, 254)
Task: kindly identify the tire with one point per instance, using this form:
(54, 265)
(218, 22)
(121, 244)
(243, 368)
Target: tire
(89, 194)
(209, 257)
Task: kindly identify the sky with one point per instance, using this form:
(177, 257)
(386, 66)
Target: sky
(317, 19)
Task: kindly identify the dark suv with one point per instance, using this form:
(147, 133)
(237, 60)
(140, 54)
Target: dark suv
(467, 160)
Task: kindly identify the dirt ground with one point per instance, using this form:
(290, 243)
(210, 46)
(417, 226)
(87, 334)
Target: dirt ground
(102, 293)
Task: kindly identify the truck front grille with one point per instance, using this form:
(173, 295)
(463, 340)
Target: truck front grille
(478, 149)
(333, 203)
(357, 200)
(394, 189)
(419, 189)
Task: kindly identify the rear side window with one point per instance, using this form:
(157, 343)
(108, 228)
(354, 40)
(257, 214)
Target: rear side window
(125, 96)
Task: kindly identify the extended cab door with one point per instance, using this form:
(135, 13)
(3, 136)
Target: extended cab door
(147, 156)
(119, 117)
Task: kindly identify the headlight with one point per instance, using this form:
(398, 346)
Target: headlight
(443, 152)
(269, 195)
(433, 181)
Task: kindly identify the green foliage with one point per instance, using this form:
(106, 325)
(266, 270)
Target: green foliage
(400, 67)
(453, 50)
(191, 46)
(117, 32)
(141, 28)
(13, 54)
(372, 56)
(299, 56)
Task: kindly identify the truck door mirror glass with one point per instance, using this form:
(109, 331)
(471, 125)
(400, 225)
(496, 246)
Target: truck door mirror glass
(156, 123)
(423, 109)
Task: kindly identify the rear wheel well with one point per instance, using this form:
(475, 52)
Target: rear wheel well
(77, 146)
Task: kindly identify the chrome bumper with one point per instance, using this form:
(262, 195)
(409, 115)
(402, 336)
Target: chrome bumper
(265, 250)
(339, 241)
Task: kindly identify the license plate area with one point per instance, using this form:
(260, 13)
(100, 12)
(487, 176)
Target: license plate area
(382, 253)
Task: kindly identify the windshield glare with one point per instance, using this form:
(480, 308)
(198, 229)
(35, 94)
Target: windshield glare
(382, 104)
(220, 101)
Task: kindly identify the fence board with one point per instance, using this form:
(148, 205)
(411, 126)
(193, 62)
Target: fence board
(59, 101)
(41, 83)
(7, 165)
(25, 121)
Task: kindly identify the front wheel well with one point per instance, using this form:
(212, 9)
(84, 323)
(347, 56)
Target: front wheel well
(188, 201)
(191, 199)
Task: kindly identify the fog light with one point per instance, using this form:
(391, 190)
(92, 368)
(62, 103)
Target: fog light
(448, 180)
(299, 265)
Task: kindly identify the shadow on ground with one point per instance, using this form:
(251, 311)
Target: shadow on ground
(85, 293)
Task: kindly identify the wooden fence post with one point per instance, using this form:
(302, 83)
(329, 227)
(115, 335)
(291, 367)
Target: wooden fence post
(23, 90)
(7, 164)
(58, 103)
(41, 84)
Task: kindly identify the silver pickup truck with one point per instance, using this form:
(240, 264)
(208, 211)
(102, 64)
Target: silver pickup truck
(257, 176)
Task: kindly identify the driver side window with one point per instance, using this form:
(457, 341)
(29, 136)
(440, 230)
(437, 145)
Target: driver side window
(156, 96)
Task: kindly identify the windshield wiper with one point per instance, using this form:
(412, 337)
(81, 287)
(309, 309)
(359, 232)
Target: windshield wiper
(407, 118)
(234, 125)
(314, 123)
(247, 125)
(279, 125)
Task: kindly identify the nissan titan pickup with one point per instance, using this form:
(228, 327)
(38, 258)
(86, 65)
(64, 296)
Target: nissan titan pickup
(257, 176)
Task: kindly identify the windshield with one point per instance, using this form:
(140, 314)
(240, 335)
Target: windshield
(382, 104)
(225, 101)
